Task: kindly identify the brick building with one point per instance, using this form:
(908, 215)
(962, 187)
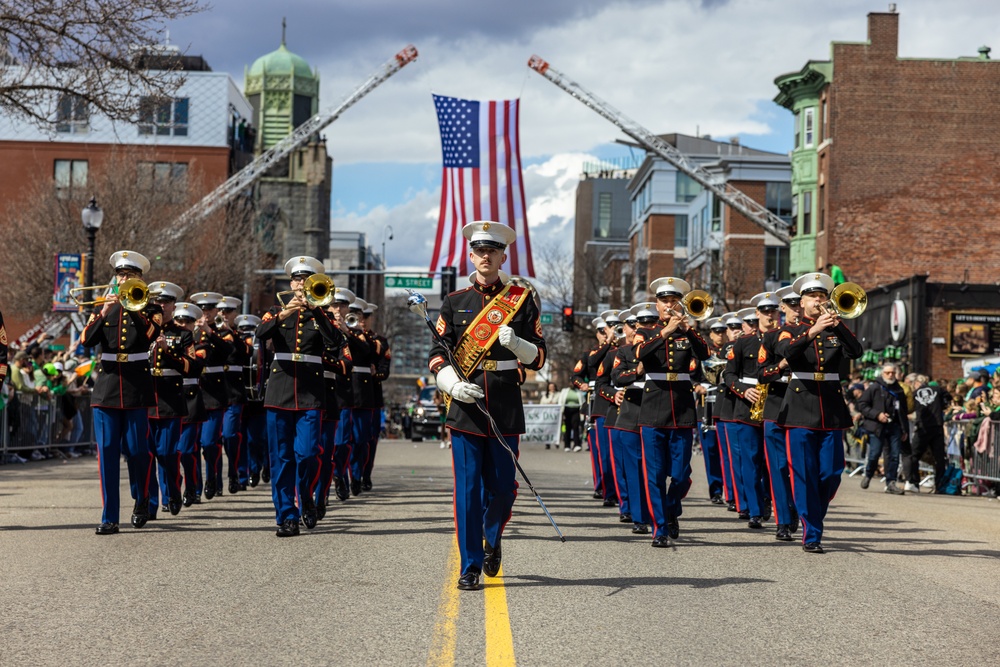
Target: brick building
(894, 173)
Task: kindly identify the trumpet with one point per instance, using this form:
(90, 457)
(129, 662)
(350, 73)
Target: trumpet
(697, 305)
(352, 321)
(619, 332)
(133, 294)
(847, 301)
(220, 321)
(318, 291)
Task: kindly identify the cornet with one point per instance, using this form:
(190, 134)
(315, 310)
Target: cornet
(352, 321)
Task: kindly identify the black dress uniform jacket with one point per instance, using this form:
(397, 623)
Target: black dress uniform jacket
(123, 384)
(598, 407)
(214, 349)
(770, 374)
(625, 373)
(256, 376)
(365, 352)
(725, 402)
(381, 368)
(236, 363)
(808, 403)
(604, 390)
(178, 359)
(502, 388)
(741, 364)
(297, 385)
(666, 403)
(337, 365)
(3, 352)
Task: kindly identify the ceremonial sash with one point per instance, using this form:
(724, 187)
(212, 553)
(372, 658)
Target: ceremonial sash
(485, 327)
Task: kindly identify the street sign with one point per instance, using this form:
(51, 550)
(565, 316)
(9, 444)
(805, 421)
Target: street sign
(413, 282)
(546, 318)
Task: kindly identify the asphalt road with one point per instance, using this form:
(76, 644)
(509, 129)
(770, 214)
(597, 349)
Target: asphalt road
(905, 580)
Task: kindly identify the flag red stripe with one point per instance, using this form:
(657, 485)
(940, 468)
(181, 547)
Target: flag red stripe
(494, 206)
(523, 233)
(441, 221)
(515, 264)
(454, 218)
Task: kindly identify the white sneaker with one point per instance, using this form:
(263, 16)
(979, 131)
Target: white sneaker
(577, 448)
(913, 488)
(36, 455)
(443, 444)
(14, 458)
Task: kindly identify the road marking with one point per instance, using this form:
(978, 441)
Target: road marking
(442, 652)
(499, 639)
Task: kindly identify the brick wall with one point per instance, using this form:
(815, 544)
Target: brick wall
(743, 249)
(941, 366)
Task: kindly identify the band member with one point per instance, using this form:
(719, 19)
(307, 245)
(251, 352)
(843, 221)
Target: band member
(363, 411)
(172, 357)
(628, 373)
(255, 460)
(604, 405)
(773, 371)
(123, 392)
(814, 412)
(3, 352)
(668, 351)
(295, 397)
(708, 392)
(493, 332)
(380, 373)
(724, 414)
(214, 350)
(232, 419)
(344, 436)
(188, 446)
(337, 366)
(598, 409)
(584, 377)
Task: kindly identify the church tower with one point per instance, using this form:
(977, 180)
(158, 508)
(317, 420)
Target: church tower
(294, 196)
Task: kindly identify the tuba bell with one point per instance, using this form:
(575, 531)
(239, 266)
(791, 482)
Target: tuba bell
(847, 301)
(697, 305)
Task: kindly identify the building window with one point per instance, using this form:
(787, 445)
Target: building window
(821, 222)
(778, 200)
(72, 115)
(776, 264)
(807, 198)
(798, 132)
(164, 177)
(716, 214)
(823, 127)
(809, 129)
(687, 188)
(163, 118)
(603, 230)
(680, 231)
(71, 178)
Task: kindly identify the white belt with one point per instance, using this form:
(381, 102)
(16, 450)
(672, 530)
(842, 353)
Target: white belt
(817, 377)
(190, 381)
(121, 357)
(361, 369)
(783, 378)
(710, 398)
(329, 375)
(164, 372)
(490, 365)
(213, 369)
(638, 385)
(752, 381)
(295, 356)
(669, 377)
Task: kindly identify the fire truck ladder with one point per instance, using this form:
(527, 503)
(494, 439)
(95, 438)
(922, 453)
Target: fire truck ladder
(247, 176)
(724, 191)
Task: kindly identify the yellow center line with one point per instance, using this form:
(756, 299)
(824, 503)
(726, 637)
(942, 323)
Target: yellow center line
(442, 651)
(499, 639)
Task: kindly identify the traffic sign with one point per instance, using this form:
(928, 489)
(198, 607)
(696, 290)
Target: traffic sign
(546, 318)
(413, 282)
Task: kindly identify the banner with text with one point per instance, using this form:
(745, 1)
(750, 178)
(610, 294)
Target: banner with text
(68, 274)
(542, 423)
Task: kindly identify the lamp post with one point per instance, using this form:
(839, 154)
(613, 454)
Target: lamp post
(92, 216)
(387, 228)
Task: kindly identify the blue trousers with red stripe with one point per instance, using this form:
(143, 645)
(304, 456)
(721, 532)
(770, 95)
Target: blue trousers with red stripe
(232, 439)
(116, 430)
(164, 435)
(343, 444)
(776, 453)
(255, 425)
(595, 455)
(713, 464)
(293, 439)
(630, 444)
(619, 470)
(816, 459)
(211, 445)
(187, 447)
(326, 460)
(747, 444)
(726, 463)
(361, 426)
(604, 454)
(485, 490)
(666, 452)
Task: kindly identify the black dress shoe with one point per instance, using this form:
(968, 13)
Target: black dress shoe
(610, 502)
(340, 486)
(355, 487)
(243, 487)
(254, 479)
(755, 523)
(107, 528)
(174, 506)
(491, 564)
(640, 529)
(717, 500)
(731, 507)
(661, 542)
(598, 495)
(189, 499)
(744, 515)
(469, 582)
(140, 515)
(234, 486)
(209, 489)
(366, 485)
(309, 517)
(290, 528)
(321, 510)
(766, 514)
(625, 518)
(813, 548)
(265, 475)
(783, 534)
(673, 527)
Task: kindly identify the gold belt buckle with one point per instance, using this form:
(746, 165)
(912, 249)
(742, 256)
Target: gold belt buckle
(296, 356)
(157, 372)
(819, 377)
(490, 365)
(671, 377)
(121, 357)
(226, 367)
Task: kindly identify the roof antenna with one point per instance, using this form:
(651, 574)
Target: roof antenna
(283, 30)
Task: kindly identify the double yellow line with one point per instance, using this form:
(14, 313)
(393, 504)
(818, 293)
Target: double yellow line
(499, 638)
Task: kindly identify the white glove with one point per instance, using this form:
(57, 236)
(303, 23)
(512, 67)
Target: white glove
(522, 349)
(448, 382)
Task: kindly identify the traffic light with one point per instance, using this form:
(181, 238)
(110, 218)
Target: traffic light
(447, 280)
(567, 322)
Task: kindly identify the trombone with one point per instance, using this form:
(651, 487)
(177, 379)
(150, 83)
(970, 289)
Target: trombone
(318, 291)
(698, 305)
(133, 294)
(847, 301)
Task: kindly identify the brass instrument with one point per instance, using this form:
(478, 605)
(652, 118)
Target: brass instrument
(133, 294)
(318, 291)
(220, 321)
(352, 321)
(847, 301)
(619, 332)
(95, 302)
(697, 305)
(757, 409)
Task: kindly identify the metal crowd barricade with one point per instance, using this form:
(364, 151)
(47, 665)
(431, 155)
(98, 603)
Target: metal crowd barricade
(32, 421)
(984, 466)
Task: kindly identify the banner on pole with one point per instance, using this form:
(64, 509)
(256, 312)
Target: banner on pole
(68, 274)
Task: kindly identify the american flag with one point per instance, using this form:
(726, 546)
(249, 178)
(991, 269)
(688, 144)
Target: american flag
(481, 180)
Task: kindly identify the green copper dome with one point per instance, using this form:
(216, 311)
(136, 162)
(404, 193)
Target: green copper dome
(281, 62)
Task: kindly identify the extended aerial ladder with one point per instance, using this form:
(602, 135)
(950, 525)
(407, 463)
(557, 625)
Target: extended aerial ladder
(247, 176)
(651, 142)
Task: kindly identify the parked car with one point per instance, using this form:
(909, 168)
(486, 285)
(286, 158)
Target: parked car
(425, 416)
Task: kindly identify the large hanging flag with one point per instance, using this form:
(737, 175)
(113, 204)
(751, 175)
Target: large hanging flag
(480, 180)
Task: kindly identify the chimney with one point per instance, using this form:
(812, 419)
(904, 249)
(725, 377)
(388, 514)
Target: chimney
(883, 33)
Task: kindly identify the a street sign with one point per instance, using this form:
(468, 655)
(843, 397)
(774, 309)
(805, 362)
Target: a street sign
(413, 282)
(546, 318)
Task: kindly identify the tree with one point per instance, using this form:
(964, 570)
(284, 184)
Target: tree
(84, 50)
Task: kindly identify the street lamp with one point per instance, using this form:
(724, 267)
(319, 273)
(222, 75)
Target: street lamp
(92, 216)
(387, 228)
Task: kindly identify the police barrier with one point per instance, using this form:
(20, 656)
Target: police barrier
(32, 421)
(982, 450)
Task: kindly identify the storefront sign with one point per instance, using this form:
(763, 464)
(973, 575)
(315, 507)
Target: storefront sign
(973, 334)
(897, 320)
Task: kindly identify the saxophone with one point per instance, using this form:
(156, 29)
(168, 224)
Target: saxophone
(757, 409)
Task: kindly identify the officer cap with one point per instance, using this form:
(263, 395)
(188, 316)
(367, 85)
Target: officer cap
(358, 305)
(207, 299)
(788, 293)
(731, 319)
(303, 266)
(629, 317)
(488, 234)
(246, 321)
(185, 310)
(813, 282)
(764, 299)
(669, 286)
(343, 295)
(747, 315)
(369, 308)
(229, 303)
(645, 312)
(165, 290)
(598, 323)
(128, 259)
(611, 318)
(715, 323)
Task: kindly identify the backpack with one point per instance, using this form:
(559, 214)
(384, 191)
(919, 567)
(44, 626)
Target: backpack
(951, 481)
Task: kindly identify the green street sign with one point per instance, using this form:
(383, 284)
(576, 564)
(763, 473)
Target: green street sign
(413, 282)
(546, 318)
